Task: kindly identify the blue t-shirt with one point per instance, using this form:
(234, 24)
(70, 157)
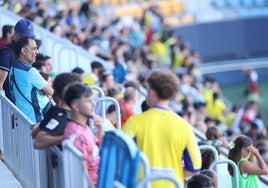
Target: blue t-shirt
(29, 82)
(120, 71)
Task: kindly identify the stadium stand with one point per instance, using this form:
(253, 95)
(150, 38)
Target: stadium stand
(64, 54)
(220, 4)
(237, 4)
(128, 10)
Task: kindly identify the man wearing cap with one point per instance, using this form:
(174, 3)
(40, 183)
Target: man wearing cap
(7, 57)
(30, 90)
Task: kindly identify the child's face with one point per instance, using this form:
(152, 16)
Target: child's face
(245, 152)
(87, 106)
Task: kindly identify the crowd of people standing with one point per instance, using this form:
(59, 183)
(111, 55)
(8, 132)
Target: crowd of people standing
(133, 49)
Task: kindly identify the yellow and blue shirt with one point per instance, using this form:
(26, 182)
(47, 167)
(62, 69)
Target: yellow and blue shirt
(167, 140)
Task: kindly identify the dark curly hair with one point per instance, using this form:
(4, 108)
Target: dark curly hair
(164, 82)
(61, 81)
(22, 42)
(75, 91)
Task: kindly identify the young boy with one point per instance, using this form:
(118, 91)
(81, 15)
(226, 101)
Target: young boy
(80, 99)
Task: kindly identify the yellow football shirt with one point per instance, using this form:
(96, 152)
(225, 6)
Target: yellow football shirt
(167, 140)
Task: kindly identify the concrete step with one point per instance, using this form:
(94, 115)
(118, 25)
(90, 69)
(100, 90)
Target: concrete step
(7, 179)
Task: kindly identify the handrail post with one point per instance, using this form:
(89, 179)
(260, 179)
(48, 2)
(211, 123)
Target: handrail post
(146, 164)
(101, 94)
(235, 169)
(117, 109)
(67, 46)
(213, 150)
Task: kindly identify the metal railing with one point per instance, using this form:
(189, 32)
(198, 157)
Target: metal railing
(74, 171)
(117, 109)
(213, 150)
(26, 163)
(235, 169)
(100, 94)
(155, 177)
(55, 167)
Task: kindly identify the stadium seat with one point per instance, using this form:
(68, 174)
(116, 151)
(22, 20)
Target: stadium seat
(177, 7)
(234, 3)
(219, 4)
(171, 7)
(187, 19)
(119, 160)
(97, 2)
(165, 7)
(121, 2)
(130, 10)
(113, 2)
(260, 2)
(120, 163)
(172, 21)
(248, 3)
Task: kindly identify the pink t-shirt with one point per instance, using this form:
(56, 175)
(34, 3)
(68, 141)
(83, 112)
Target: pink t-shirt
(86, 142)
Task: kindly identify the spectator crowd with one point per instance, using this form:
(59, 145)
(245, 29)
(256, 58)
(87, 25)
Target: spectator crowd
(133, 49)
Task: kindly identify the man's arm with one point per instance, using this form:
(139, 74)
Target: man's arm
(35, 130)
(3, 76)
(44, 140)
(39, 82)
(191, 155)
(188, 173)
(48, 90)
(5, 62)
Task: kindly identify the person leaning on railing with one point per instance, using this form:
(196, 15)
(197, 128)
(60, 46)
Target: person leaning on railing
(50, 130)
(29, 89)
(80, 99)
(7, 55)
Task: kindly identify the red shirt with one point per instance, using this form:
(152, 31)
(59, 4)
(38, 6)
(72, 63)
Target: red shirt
(3, 43)
(127, 112)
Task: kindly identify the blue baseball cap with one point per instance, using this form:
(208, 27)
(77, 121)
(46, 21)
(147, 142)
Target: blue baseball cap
(24, 27)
